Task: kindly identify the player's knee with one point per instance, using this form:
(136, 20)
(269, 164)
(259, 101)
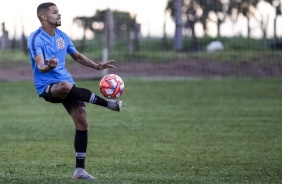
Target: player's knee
(65, 87)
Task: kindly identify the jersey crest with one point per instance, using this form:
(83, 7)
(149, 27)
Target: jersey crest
(60, 43)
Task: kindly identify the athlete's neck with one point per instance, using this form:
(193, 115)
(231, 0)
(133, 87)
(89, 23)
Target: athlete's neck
(49, 30)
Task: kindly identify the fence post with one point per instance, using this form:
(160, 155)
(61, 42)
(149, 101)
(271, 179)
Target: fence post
(108, 37)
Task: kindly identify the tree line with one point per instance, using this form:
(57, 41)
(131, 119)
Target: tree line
(117, 25)
(187, 13)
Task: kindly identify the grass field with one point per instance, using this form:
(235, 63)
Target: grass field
(170, 131)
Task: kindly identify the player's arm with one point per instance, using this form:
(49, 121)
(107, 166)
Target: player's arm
(80, 58)
(50, 63)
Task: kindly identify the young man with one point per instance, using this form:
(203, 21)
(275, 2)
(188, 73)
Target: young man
(48, 47)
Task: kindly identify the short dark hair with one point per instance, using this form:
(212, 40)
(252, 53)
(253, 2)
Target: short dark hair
(44, 7)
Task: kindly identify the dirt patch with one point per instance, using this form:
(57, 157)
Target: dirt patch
(189, 68)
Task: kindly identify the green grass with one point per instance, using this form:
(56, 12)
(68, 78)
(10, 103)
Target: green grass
(8, 56)
(170, 131)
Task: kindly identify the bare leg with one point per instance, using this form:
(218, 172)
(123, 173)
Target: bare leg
(78, 115)
(61, 89)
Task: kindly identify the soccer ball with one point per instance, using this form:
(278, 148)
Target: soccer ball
(111, 86)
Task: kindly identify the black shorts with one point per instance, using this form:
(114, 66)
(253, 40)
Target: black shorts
(67, 102)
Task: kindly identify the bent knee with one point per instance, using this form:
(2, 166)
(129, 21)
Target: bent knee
(65, 86)
(61, 89)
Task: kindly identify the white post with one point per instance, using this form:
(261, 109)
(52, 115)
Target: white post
(104, 59)
(108, 36)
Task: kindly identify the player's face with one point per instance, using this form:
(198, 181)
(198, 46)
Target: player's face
(53, 16)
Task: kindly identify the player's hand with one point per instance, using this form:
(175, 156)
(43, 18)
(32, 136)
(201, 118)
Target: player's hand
(52, 63)
(107, 64)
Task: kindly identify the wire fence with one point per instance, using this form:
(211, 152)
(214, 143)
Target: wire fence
(154, 59)
(117, 36)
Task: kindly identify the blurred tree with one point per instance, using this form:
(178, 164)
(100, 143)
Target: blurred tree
(175, 6)
(187, 13)
(123, 26)
(277, 6)
(203, 11)
(244, 7)
(216, 7)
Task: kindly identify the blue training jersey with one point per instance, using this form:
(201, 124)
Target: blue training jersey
(39, 42)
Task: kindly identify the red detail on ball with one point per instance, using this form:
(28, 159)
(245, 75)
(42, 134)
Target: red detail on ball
(112, 86)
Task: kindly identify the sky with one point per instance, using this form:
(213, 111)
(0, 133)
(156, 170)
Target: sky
(150, 13)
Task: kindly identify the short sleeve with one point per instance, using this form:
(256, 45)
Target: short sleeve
(34, 47)
(71, 48)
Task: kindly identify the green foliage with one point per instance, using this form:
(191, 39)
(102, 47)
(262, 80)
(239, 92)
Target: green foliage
(236, 50)
(13, 56)
(170, 131)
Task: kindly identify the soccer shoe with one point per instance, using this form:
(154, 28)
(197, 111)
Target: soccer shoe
(80, 173)
(114, 105)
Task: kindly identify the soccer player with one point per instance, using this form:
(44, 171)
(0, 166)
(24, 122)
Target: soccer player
(48, 47)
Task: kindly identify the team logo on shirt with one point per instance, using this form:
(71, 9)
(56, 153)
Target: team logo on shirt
(61, 43)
